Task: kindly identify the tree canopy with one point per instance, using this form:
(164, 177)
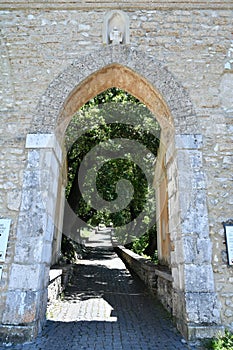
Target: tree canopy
(112, 142)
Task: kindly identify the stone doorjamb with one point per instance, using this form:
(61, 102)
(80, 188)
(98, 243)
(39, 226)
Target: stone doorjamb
(195, 304)
(26, 301)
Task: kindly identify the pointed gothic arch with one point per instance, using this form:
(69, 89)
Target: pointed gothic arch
(118, 66)
(193, 296)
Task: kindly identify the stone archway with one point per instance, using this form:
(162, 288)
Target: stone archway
(194, 298)
(163, 93)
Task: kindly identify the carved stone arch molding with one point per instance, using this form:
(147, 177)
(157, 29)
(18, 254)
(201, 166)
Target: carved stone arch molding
(122, 67)
(192, 296)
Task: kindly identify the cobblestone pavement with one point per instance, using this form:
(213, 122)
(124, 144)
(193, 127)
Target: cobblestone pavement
(105, 308)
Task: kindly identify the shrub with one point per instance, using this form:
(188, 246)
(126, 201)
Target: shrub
(223, 342)
(139, 246)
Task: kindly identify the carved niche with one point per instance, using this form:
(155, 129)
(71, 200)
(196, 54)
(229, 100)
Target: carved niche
(116, 28)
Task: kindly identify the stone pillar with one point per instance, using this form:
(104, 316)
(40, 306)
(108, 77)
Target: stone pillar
(195, 303)
(26, 298)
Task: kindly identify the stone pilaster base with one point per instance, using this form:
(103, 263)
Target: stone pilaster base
(13, 334)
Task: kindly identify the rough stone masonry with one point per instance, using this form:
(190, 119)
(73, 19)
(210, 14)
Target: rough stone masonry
(175, 57)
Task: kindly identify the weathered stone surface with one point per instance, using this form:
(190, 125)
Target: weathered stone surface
(197, 250)
(13, 199)
(179, 63)
(198, 278)
(197, 309)
(26, 277)
(29, 249)
(188, 141)
(226, 87)
(20, 308)
(18, 334)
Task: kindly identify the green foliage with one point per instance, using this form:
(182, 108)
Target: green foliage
(90, 127)
(70, 250)
(140, 245)
(107, 179)
(85, 233)
(223, 342)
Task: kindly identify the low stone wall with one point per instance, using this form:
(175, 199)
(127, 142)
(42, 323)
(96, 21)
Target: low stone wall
(157, 278)
(59, 277)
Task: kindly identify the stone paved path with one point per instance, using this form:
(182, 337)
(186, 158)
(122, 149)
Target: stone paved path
(105, 308)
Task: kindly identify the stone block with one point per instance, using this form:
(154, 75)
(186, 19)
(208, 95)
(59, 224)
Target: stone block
(49, 232)
(46, 178)
(31, 224)
(204, 250)
(51, 205)
(47, 253)
(202, 308)
(172, 171)
(204, 332)
(14, 199)
(26, 277)
(173, 205)
(44, 141)
(179, 308)
(176, 277)
(226, 87)
(29, 250)
(32, 179)
(54, 188)
(21, 307)
(194, 213)
(32, 200)
(170, 152)
(228, 159)
(33, 159)
(197, 251)
(40, 141)
(50, 162)
(188, 161)
(179, 251)
(189, 141)
(174, 226)
(198, 278)
(198, 180)
(47, 160)
(18, 334)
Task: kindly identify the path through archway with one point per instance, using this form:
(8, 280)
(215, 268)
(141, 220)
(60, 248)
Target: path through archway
(194, 298)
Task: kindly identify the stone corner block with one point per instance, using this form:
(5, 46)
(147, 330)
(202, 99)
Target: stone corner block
(203, 308)
(44, 141)
(191, 141)
(20, 307)
(40, 141)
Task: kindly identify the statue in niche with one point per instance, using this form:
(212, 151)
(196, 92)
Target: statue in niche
(115, 36)
(116, 28)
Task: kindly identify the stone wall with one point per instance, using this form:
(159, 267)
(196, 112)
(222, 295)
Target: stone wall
(158, 279)
(59, 277)
(193, 42)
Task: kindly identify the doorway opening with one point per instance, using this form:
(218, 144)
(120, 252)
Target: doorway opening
(112, 146)
(180, 148)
